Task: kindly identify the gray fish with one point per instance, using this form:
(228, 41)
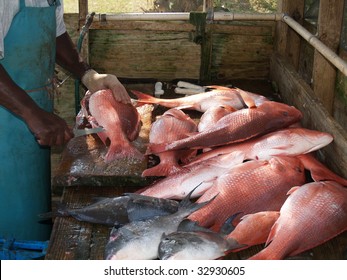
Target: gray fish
(139, 240)
(120, 210)
(193, 242)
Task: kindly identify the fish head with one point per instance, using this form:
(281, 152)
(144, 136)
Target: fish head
(117, 246)
(185, 246)
(281, 115)
(313, 139)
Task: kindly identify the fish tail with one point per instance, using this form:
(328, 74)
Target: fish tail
(235, 246)
(190, 206)
(60, 212)
(117, 152)
(319, 172)
(228, 226)
(144, 98)
(162, 169)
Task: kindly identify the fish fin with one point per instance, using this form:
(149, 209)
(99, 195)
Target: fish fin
(319, 172)
(186, 203)
(143, 97)
(217, 87)
(228, 226)
(271, 234)
(185, 106)
(156, 148)
(249, 101)
(190, 226)
(293, 189)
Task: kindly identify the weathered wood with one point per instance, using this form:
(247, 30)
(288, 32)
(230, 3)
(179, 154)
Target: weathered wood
(235, 56)
(295, 91)
(329, 32)
(145, 54)
(179, 26)
(340, 101)
(287, 41)
(306, 55)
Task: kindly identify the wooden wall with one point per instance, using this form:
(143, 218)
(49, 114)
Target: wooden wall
(168, 51)
(311, 83)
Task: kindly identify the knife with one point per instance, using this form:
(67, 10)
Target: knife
(86, 131)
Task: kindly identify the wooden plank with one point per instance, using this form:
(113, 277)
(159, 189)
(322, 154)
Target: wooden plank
(179, 26)
(340, 102)
(145, 54)
(287, 41)
(295, 91)
(241, 57)
(329, 32)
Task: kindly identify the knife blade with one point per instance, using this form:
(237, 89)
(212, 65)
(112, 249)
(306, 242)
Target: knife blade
(86, 131)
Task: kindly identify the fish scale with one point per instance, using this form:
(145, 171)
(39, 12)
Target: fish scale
(250, 187)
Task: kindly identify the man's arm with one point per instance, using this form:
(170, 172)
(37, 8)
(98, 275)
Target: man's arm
(68, 58)
(49, 129)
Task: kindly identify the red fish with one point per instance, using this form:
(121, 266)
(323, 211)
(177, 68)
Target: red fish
(253, 229)
(250, 187)
(313, 214)
(284, 142)
(121, 122)
(174, 124)
(179, 184)
(238, 126)
(205, 100)
(213, 115)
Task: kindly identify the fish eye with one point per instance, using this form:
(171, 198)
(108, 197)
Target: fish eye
(285, 113)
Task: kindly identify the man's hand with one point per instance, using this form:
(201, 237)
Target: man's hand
(49, 129)
(95, 81)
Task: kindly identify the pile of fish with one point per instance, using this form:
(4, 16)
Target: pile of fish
(250, 155)
(244, 162)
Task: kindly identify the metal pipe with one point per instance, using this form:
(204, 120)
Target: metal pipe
(329, 54)
(219, 16)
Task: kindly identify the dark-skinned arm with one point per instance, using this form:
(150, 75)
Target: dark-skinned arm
(68, 58)
(47, 128)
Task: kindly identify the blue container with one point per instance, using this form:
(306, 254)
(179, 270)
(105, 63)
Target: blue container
(10, 249)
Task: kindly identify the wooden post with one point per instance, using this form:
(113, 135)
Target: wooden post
(287, 41)
(82, 14)
(206, 47)
(329, 32)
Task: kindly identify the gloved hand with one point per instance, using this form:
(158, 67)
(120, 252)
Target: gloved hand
(95, 81)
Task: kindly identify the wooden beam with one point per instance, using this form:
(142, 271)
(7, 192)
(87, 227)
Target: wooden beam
(329, 32)
(287, 41)
(82, 15)
(295, 91)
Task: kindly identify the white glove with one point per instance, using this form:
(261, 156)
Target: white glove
(95, 81)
